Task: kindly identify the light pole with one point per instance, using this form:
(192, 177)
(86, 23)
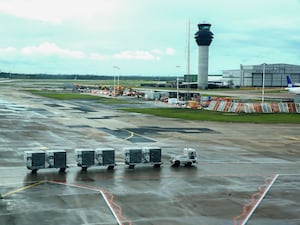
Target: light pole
(116, 68)
(241, 75)
(263, 83)
(177, 85)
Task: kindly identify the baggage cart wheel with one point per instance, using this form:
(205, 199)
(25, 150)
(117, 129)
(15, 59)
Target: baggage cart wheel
(188, 164)
(131, 167)
(110, 167)
(176, 163)
(156, 166)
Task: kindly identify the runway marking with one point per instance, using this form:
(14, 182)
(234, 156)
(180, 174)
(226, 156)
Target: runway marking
(244, 162)
(110, 204)
(131, 134)
(287, 174)
(22, 189)
(121, 219)
(256, 199)
(294, 138)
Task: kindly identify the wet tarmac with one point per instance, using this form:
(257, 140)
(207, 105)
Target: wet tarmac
(236, 165)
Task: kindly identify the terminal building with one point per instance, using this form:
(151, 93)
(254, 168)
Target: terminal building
(252, 75)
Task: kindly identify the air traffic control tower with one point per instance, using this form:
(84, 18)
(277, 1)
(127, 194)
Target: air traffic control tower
(203, 38)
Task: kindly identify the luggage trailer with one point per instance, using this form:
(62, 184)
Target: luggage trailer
(86, 158)
(145, 155)
(36, 160)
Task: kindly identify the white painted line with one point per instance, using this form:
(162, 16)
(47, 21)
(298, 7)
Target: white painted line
(93, 189)
(245, 162)
(259, 201)
(287, 174)
(111, 209)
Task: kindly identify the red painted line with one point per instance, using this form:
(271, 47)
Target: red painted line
(249, 208)
(120, 215)
(123, 220)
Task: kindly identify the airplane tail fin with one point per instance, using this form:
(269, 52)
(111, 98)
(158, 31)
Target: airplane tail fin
(289, 81)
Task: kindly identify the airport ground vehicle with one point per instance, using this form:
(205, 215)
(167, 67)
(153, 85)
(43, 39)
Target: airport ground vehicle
(145, 155)
(86, 158)
(99, 157)
(188, 158)
(36, 160)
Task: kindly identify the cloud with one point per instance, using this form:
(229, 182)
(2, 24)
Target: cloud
(97, 56)
(168, 51)
(8, 50)
(154, 54)
(138, 55)
(55, 11)
(47, 48)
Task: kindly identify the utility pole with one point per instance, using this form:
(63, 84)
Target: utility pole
(177, 84)
(263, 83)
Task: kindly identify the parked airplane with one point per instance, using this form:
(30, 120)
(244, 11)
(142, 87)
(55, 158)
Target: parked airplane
(291, 83)
(292, 87)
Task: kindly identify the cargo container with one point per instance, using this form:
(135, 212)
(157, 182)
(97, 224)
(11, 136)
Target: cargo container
(145, 155)
(35, 160)
(100, 157)
(57, 159)
(105, 157)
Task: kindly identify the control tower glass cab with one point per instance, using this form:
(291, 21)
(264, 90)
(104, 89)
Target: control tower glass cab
(204, 36)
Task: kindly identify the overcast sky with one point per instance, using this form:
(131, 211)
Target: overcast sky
(144, 37)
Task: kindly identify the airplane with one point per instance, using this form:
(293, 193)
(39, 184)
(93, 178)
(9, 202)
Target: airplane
(292, 87)
(291, 83)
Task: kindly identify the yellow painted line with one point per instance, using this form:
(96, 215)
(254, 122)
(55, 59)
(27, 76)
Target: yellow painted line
(131, 135)
(22, 189)
(294, 138)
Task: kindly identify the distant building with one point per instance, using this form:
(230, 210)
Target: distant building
(190, 78)
(214, 81)
(252, 75)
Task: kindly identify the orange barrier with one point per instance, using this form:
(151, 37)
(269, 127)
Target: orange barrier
(257, 107)
(239, 108)
(221, 106)
(216, 105)
(232, 107)
(227, 106)
(292, 107)
(275, 107)
(283, 107)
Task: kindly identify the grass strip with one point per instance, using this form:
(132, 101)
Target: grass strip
(78, 96)
(206, 115)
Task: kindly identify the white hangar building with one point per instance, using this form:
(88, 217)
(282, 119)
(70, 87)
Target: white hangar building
(252, 75)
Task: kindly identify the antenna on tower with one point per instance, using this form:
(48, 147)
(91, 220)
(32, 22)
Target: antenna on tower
(188, 50)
